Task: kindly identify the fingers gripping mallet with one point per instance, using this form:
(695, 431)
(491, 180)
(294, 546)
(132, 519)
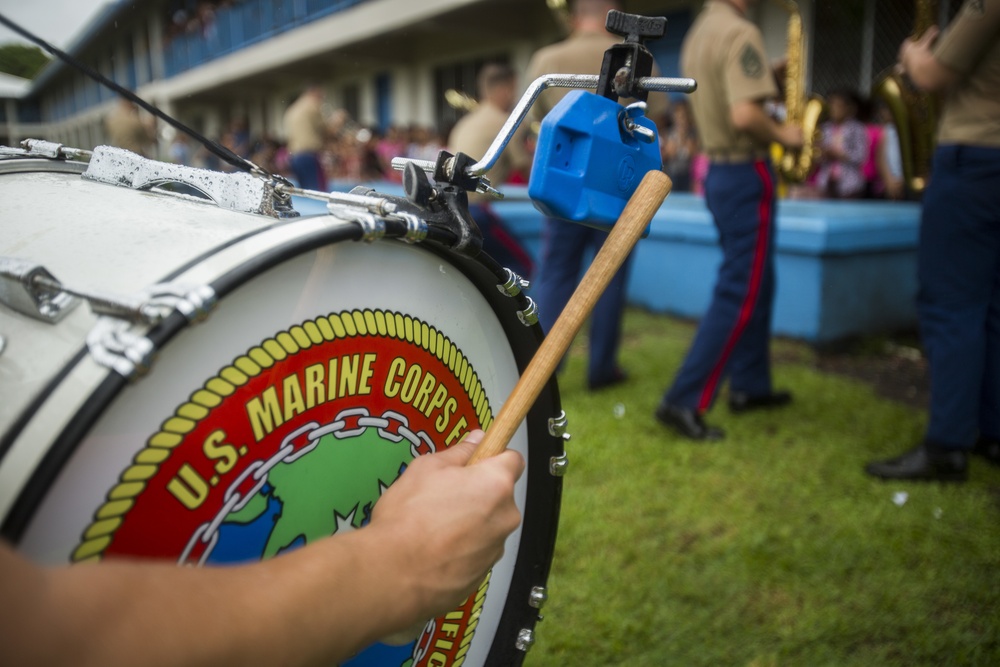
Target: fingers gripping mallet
(641, 208)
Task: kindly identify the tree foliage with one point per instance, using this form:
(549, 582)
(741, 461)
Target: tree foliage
(22, 60)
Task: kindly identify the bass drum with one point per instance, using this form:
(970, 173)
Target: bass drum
(324, 368)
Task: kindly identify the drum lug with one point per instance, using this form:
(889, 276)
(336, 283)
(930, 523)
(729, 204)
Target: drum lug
(538, 597)
(514, 284)
(557, 426)
(416, 227)
(113, 346)
(558, 465)
(372, 226)
(525, 640)
(193, 302)
(529, 316)
(24, 287)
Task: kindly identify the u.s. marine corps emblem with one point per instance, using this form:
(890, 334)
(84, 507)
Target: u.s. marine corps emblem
(296, 440)
(751, 61)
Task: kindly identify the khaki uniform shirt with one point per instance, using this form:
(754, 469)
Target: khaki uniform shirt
(126, 130)
(474, 134)
(971, 46)
(580, 53)
(724, 52)
(305, 128)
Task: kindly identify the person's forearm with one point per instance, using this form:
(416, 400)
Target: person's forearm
(750, 117)
(311, 606)
(921, 65)
(433, 535)
(927, 73)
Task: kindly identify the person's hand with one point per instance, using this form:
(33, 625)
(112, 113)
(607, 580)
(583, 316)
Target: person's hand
(917, 48)
(449, 521)
(791, 136)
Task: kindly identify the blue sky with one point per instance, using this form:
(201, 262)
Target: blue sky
(56, 21)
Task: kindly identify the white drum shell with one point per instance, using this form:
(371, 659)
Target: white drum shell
(97, 237)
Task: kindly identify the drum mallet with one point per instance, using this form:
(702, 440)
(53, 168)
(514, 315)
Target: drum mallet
(638, 213)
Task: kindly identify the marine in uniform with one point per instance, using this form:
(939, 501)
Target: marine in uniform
(306, 132)
(958, 258)
(724, 52)
(127, 130)
(473, 135)
(565, 244)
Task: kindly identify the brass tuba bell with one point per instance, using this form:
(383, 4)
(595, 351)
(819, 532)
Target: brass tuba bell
(914, 112)
(803, 110)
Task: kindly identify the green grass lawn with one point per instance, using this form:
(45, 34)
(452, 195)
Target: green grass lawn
(771, 547)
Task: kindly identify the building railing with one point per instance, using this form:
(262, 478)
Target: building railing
(243, 24)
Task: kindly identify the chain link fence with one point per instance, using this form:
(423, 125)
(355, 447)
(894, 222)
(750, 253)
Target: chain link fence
(856, 40)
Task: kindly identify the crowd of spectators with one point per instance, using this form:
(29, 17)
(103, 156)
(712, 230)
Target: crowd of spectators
(356, 154)
(183, 18)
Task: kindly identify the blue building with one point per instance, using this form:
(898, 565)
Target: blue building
(387, 62)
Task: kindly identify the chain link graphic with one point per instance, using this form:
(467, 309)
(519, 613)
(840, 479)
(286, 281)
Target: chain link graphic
(348, 423)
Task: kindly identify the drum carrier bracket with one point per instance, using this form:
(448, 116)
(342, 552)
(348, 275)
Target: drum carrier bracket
(241, 192)
(38, 148)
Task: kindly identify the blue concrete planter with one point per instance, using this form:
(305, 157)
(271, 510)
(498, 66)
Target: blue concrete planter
(844, 268)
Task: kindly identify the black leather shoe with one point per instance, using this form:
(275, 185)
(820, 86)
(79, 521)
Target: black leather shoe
(740, 401)
(618, 376)
(687, 422)
(924, 462)
(989, 449)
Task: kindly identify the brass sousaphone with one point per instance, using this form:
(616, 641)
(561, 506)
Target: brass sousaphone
(914, 112)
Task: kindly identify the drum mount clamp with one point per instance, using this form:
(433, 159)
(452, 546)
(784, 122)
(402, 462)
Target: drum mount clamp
(38, 148)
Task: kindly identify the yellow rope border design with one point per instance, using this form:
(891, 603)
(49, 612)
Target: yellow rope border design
(345, 324)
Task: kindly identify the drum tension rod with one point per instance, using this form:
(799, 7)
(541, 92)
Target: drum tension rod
(31, 290)
(115, 306)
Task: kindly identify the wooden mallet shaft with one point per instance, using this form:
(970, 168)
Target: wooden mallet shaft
(641, 208)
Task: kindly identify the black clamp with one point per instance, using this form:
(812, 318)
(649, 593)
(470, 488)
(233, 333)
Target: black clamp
(624, 64)
(445, 204)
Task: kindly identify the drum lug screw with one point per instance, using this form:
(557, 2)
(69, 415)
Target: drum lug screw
(529, 316)
(558, 465)
(372, 228)
(525, 640)
(557, 426)
(514, 284)
(539, 595)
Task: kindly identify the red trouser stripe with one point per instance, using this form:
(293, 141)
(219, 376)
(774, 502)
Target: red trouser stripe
(753, 287)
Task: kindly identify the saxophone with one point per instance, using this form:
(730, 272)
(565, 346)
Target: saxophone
(914, 112)
(802, 110)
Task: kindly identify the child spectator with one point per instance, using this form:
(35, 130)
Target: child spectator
(679, 145)
(843, 150)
